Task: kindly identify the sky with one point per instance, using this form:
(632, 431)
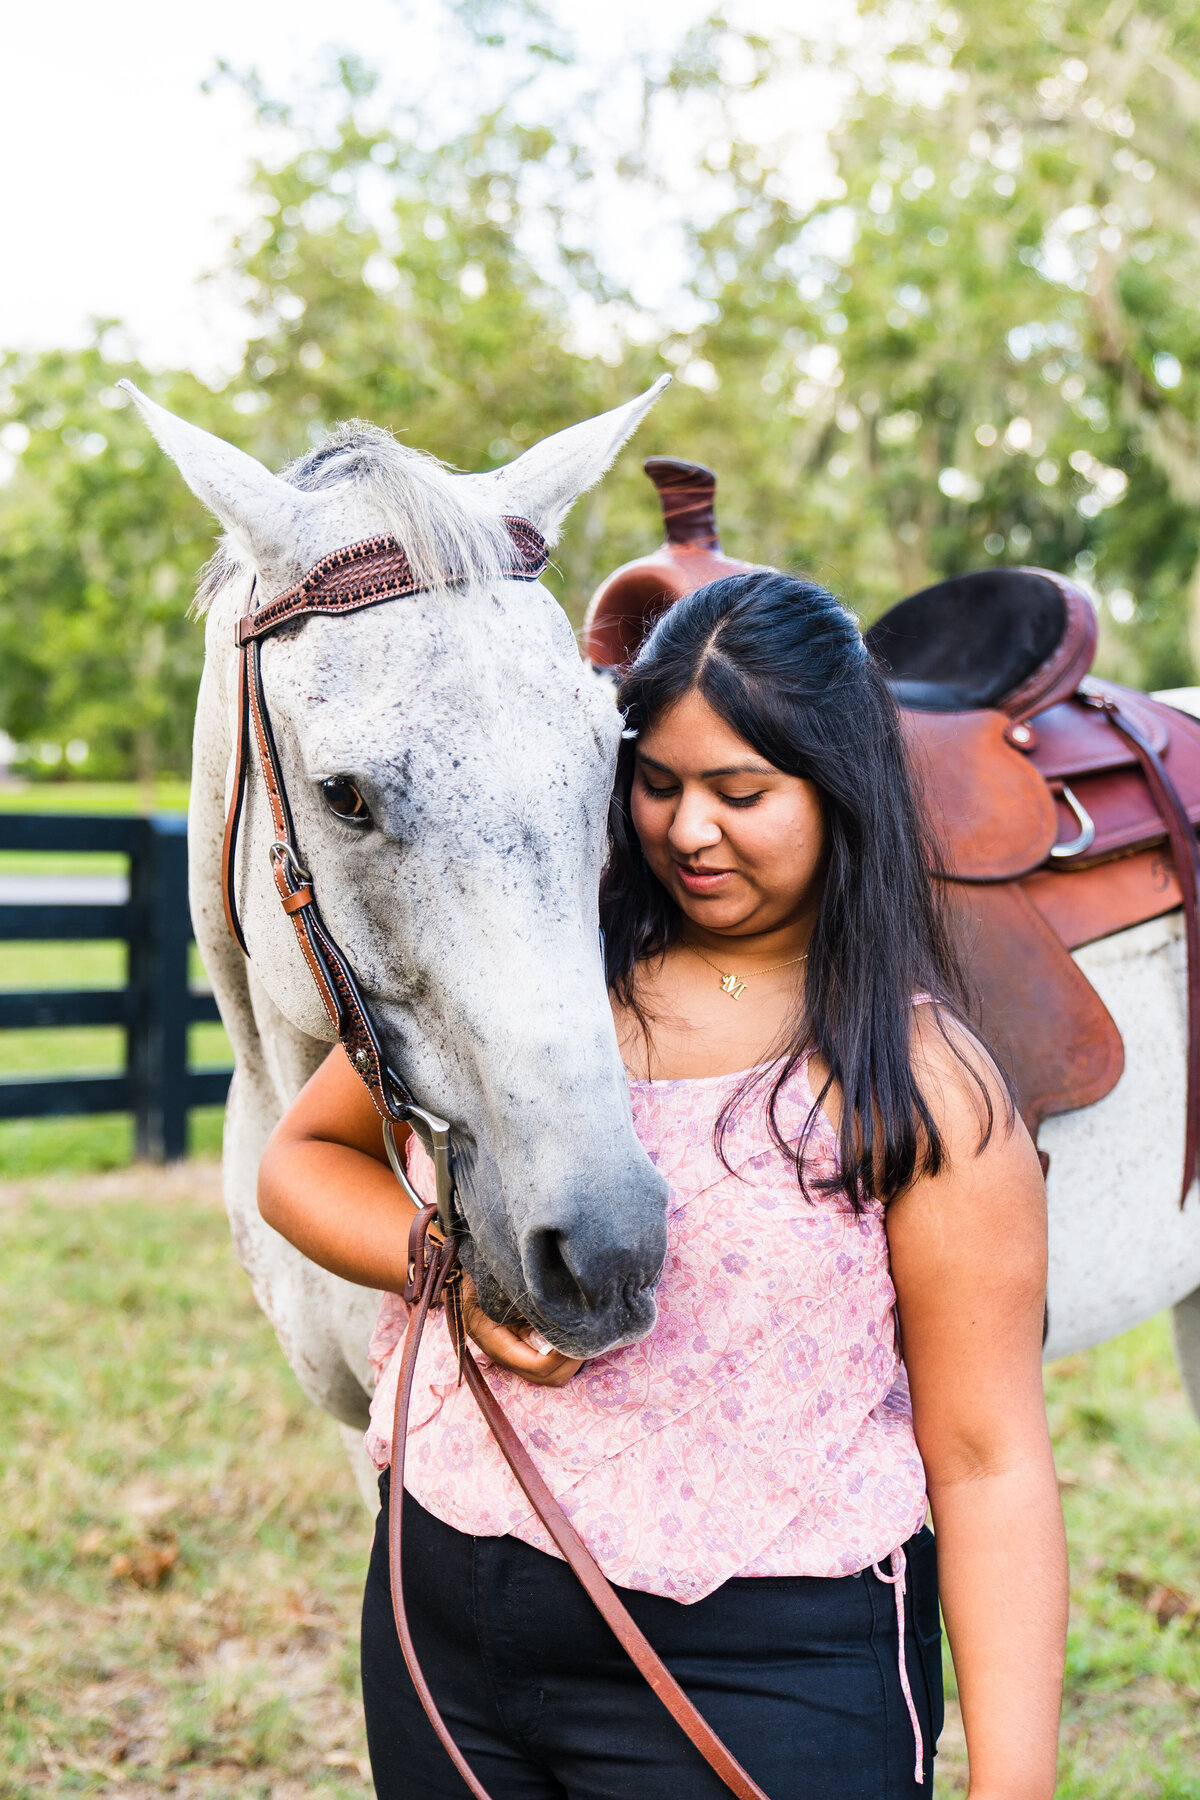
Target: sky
(125, 178)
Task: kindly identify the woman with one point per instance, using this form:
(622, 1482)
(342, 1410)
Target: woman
(844, 1166)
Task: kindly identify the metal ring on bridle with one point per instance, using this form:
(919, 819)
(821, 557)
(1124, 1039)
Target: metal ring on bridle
(434, 1134)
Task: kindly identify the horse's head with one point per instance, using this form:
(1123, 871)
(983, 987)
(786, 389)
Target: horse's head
(448, 759)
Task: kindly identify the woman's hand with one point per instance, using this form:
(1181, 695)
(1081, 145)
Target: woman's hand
(515, 1347)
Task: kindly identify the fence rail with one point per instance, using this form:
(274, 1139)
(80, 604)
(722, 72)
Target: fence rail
(156, 1005)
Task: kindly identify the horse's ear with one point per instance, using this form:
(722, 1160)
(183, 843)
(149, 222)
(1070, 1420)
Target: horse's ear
(261, 512)
(544, 483)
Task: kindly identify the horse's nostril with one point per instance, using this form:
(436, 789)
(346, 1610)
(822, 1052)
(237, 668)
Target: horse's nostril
(549, 1273)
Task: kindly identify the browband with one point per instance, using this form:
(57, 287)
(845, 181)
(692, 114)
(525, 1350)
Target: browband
(376, 569)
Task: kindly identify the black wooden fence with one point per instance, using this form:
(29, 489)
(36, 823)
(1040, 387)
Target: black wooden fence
(156, 1004)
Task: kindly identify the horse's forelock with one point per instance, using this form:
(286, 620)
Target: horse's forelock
(445, 528)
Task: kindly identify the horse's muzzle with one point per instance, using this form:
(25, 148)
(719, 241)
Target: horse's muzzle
(591, 1292)
(583, 1290)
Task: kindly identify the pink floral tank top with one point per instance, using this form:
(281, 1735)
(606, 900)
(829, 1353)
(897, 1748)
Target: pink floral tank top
(764, 1426)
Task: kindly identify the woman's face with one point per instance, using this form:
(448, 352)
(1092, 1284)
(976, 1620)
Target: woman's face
(738, 845)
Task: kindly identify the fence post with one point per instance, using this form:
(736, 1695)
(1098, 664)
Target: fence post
(158, 981)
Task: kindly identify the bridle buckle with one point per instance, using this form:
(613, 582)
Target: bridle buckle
(282, 852)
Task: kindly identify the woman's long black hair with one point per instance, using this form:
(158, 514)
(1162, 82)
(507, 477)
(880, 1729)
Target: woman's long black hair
(784, 664)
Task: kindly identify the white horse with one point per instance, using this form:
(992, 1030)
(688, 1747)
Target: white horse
(484, 749)
(467, 906)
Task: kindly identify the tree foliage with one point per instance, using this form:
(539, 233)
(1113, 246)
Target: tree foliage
(978, 345)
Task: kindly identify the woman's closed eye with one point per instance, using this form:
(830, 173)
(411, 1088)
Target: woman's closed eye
(658, 793)
(664, 791)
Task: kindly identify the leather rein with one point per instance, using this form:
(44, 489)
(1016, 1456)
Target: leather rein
(362, 575)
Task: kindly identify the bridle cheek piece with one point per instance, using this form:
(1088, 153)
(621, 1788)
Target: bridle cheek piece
(358, 576)
(348, 580)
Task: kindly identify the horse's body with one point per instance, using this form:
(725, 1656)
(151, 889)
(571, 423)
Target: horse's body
(1121, 1248)
(474, 933)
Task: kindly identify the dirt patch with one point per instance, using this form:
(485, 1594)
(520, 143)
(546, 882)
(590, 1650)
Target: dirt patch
(198, 1179)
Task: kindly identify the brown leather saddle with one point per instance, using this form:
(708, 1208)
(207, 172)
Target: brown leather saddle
(1064, 808)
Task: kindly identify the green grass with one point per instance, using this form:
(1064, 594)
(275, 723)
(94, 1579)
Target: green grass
(94, 797)
(1129, 1457)
(95, 1049)
(82, 797)
(62, 862)
(90, 1145)
(144, 1406)
(39, 1146)
(1128, 1454)
(34, 966)
(143, 1401)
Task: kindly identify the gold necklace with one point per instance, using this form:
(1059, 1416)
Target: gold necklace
(732, 984)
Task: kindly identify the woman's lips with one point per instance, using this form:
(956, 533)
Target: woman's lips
(702, 881)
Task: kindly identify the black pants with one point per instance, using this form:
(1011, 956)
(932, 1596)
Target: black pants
(798, 1675)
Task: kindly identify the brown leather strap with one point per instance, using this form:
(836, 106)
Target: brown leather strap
(1186, 851)
(430, 1270)
(423, 1273)
(330, 971)
(233, 818)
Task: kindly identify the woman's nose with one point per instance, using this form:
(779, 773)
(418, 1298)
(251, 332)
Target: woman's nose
(694, 826)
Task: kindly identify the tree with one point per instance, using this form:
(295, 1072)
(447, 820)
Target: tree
(97, 556)
(978, 345)
(985, 337)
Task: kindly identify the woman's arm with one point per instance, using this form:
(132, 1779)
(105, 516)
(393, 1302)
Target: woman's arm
(968, 1253)
(324, 1184)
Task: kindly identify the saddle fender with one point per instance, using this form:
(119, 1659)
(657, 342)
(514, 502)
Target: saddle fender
(1045, 1020)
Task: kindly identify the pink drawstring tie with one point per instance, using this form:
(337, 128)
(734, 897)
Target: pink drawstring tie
(896, 1581)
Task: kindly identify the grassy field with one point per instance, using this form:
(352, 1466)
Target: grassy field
(183, 1547)
(150, 1433)
(82, 797)
(169, 795)
(44, 1146)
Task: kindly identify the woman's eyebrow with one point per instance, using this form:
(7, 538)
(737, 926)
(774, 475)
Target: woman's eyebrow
(746, 768)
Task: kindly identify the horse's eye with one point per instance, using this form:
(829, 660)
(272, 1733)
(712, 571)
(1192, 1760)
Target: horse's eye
(344, 800)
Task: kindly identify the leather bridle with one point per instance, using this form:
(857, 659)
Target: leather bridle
(358, 576)
(348, 580)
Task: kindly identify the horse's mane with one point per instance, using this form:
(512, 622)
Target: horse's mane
(442, 523)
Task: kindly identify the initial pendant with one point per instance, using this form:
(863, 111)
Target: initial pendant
(732, 986)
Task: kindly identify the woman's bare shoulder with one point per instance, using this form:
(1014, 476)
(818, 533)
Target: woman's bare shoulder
(967, 1238)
